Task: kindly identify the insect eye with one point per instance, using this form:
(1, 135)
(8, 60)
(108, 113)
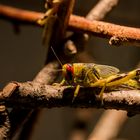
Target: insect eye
(69, 69)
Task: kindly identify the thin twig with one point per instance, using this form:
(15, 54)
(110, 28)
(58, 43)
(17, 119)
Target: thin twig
(33, 95)
(117, 34)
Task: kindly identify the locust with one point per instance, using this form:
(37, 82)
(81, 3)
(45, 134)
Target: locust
(95, 75)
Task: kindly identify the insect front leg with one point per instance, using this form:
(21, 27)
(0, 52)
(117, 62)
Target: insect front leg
(60, 84)
(76, 92)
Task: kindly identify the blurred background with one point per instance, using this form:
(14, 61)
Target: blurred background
(22, 56)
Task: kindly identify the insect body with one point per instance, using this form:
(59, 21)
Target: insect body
(87, 74)
(94, 75)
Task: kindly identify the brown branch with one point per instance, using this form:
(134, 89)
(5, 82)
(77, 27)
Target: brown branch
(116, 33)
(21, 16)
(34, 95)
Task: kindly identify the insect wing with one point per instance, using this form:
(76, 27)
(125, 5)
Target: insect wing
(105, 70)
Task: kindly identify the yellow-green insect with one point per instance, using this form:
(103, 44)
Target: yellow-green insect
(94, 75)
(87, 75)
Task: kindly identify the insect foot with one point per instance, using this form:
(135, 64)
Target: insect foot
(56, 84)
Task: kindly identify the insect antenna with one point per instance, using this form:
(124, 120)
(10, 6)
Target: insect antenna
(58, 70)
(56, 57)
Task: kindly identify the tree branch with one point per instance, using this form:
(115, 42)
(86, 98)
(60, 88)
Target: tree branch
(19, 15)
(117, 34)
(34, 95)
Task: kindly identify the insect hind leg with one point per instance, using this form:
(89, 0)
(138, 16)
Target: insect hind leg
(103, 83)
(101, 93)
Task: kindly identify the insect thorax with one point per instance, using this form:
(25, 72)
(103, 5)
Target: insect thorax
(84, 74)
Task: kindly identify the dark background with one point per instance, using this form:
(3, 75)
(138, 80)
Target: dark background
(22, 56)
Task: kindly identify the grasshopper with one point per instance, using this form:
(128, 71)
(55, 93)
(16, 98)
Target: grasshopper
(94, 75)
